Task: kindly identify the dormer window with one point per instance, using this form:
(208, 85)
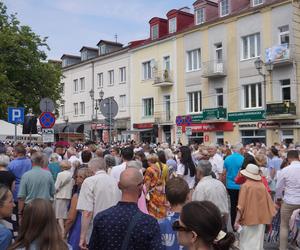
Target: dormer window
(154, 32)
(102, 49)
(199, 14)
(224, 7)
(172, 25)
(257, 2)
(84, 55)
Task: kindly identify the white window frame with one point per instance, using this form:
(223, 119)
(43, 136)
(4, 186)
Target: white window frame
(257, 46)
(166, 59)
(82, 108)
(122, 102)
(190, 95)
(147, 72)
(82, 84)
(75, 85)
(75, 106)
(100, 80)
(282, 33)
(284, 87)
(122, 74)
(152, 106)
(257, 2)
(172, 25)
(244, 106)
(217, 96)
(189, 54)
(152, 32)
(221, 8)
(197, 16)
(111, 77)
(218, 47)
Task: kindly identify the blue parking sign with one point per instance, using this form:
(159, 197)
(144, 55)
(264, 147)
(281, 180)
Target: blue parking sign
(15, 115)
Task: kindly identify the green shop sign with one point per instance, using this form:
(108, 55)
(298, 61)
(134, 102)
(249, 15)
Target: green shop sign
(197, 118)
(247, 116)
(214, 114)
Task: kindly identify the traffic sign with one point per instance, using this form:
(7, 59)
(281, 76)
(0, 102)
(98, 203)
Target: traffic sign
(48, 135)
(15, 115)
(179, 131)
(47, 120)
(47, 105)
(188, 131)
(109, 107)
(179, 120)
(188, 120)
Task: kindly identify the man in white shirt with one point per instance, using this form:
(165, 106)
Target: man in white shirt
(288, 183)
(97, 193)
(127, 155)
(71, 154)
(216, 161)
(211, 189)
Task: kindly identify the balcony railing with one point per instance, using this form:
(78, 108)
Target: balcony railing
(213, 69)
(163, 78)
(286, 108)
(280, 54)
(165, 117)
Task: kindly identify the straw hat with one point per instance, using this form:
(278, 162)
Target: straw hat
(252, 172)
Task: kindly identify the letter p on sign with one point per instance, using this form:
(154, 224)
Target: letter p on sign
(15, 115)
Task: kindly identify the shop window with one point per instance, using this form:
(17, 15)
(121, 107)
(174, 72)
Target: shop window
(253, 136)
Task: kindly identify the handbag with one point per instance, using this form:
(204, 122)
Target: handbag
(129, 230)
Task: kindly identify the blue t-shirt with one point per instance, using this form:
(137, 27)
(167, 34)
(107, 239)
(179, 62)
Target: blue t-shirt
(168, 236)
(233, 164)
(5, 237)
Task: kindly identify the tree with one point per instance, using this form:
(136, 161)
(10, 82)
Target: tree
(25, 76)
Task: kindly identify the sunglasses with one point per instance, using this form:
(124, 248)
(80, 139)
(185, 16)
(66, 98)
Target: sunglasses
(177, 227)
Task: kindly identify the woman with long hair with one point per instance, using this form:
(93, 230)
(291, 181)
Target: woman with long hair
(200, 227)
(6, 208)
(155, 188)
(163, 166)
(39, 229)
(140, 156)
(186, 167)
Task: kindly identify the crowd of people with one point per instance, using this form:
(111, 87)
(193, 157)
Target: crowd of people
(149, 196)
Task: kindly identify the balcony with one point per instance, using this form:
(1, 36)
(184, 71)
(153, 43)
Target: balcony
(213, 69)
(280, 55)
(163, 117)
(163, 78)
(280, 110)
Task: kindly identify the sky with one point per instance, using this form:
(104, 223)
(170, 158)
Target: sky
(71, 24)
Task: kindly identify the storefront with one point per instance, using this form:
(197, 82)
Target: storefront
(145, 132)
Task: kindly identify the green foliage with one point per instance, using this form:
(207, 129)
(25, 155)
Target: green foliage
(25, 76)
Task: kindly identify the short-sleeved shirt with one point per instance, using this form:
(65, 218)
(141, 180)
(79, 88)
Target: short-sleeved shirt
(18, 168)
(54, 169)
(36, 183)
(233, 164)
(188, 178)
(168, 236)
(5, 237)
(110, 228)
(7, 178)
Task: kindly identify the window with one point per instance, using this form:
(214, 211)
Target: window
(253, 95)
(194, 101)
(110, 77)
(219, 95)
(167, 63)
(103, 49)
(154, 32)
(75, 108)
(172, 25)
(62, 88)
(148, 105)
(100, 80)
(286, 89)
(257, 2)
(82, 108)
(122, 72)
(75, 82)
(219, 52)
(252, 136)
(284, 34)
(122, 102)
(251, 46)
(82, 84)
(193, 60)
(199, 14)
(84, 55)
(147, 71)
(224, 7)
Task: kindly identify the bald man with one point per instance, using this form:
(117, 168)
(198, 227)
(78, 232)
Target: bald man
(124, 226)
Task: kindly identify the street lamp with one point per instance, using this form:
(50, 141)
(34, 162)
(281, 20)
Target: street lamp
(259, 64)
(96, 105)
